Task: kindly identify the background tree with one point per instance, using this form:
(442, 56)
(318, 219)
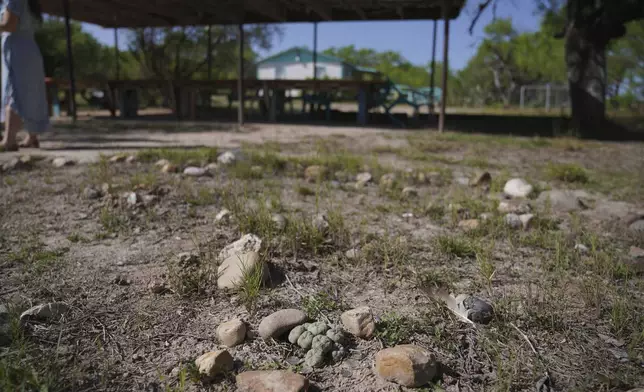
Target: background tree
(589, 27)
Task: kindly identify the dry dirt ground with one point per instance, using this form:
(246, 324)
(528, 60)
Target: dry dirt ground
(574, 314)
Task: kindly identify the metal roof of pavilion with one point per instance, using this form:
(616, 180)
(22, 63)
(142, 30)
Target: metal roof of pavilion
(159, 13)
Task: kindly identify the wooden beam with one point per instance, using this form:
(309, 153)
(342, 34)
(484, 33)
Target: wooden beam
(400, 12)
(441, 118)
(322, 11)
(359, 11)
(272, 9)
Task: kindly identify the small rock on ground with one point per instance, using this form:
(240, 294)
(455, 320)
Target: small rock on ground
(247, 243)
(388, 181)
(513, 221)
(215, 363)
(61, 162)
(227, 158)
(481, 179)
(469, 224)
(563, 201)
(91, 193)
(409, 192)
(513, 207)
(45, 312)
(314, 173)
(359, 322)
(478, 310)
(363, 179)
(232, 270)
(271, 381)
(526, 220)
(407, 365)
(194, 171)
(223, 215)
(637, 226)
(169, 168)
(232, 333)
(280, 322)
(517, 187)
(636, 259)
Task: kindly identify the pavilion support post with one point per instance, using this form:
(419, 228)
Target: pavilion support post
(441, 118)
(240, 76)
(432, 72)
(117, 54)
(70, 59)
(209, 55)
(315, 51)
(315, 65)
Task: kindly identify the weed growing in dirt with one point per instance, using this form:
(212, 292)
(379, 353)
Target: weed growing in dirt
(388, 251)
(33, 255)
(393, 329)
(21, 368)
(251, 285)
(456, 246)
(77, 238)
(322, 302)
(192, 275)
(567, 172)
(101, 172)
(179, 156)
(112, 220)
(305, 191)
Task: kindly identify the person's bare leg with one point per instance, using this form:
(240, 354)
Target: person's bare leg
(13, 122)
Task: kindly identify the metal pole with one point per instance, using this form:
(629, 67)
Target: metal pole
(117, 54)
(433, 69)
(315, 50)
(70, 59)
(522, 97)
(209, 55)
(441, 118)
(240, 76)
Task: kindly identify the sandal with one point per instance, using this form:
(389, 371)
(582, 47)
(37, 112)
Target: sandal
(35, 144)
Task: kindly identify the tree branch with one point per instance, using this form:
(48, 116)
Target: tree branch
(482, 7)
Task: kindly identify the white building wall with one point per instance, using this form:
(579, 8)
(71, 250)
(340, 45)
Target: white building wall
(266, 72)
(299, 71)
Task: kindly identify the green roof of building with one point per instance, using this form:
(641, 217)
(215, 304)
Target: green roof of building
(300, 55)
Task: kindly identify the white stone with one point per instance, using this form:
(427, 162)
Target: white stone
(194, 171)
(61, 162)
(227, 158)
(517, 187)
(232, 270)
(526, 220)
(222, 215)
(247, 243)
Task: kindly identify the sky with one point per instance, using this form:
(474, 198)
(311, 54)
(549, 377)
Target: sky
(411, 38)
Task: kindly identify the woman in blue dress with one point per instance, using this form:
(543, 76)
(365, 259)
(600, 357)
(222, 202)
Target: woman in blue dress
(24, 97)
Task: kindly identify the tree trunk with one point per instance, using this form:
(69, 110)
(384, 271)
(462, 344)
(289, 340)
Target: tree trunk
(586, 65)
